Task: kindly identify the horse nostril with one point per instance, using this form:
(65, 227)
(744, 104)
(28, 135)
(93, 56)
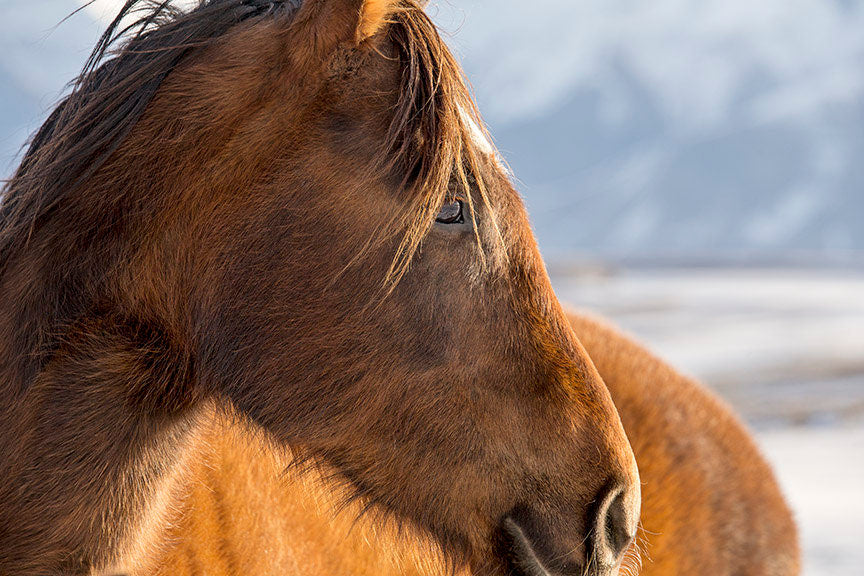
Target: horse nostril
(614, 529)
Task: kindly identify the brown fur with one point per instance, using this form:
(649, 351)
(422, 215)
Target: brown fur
(710, 502)
(237, 210)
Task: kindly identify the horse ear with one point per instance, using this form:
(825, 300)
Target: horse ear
(373, 18)
(333, 22)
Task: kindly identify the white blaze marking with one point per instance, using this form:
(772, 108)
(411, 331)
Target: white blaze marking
(477, 135)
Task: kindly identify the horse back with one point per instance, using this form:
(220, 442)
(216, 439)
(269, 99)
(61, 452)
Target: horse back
(710, 501)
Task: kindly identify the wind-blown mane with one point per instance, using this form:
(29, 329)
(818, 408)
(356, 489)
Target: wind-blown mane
(429, 137)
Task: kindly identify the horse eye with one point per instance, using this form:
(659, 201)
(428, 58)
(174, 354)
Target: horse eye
(451, 213)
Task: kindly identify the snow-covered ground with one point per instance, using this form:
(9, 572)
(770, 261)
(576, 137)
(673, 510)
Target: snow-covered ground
(822, 472)
(786, 348)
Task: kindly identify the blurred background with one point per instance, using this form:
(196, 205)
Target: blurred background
(694, 170)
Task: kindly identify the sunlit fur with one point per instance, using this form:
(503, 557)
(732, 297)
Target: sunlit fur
(710, 503)
(234, 212)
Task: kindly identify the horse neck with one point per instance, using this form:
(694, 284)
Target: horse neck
(99, 392)
(91, 442)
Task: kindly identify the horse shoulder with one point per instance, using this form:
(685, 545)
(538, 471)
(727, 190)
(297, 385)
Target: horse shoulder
(246, 512)
(710, 501)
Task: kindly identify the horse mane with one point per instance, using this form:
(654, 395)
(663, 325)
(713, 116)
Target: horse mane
(429, 137)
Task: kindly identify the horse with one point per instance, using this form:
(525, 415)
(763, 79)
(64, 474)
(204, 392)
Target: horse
(710, 503)
(288, 211)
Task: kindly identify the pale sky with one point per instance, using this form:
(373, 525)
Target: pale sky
(105, 10)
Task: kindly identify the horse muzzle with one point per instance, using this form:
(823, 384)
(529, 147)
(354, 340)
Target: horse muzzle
(528, 547)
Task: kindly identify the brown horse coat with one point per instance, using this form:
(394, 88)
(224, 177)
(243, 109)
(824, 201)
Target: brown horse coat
(711, 505)
(285, 207)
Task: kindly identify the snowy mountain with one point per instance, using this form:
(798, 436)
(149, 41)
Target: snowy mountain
(669, 127)
(677, 127)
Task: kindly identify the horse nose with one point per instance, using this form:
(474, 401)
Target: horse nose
(615, 524)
